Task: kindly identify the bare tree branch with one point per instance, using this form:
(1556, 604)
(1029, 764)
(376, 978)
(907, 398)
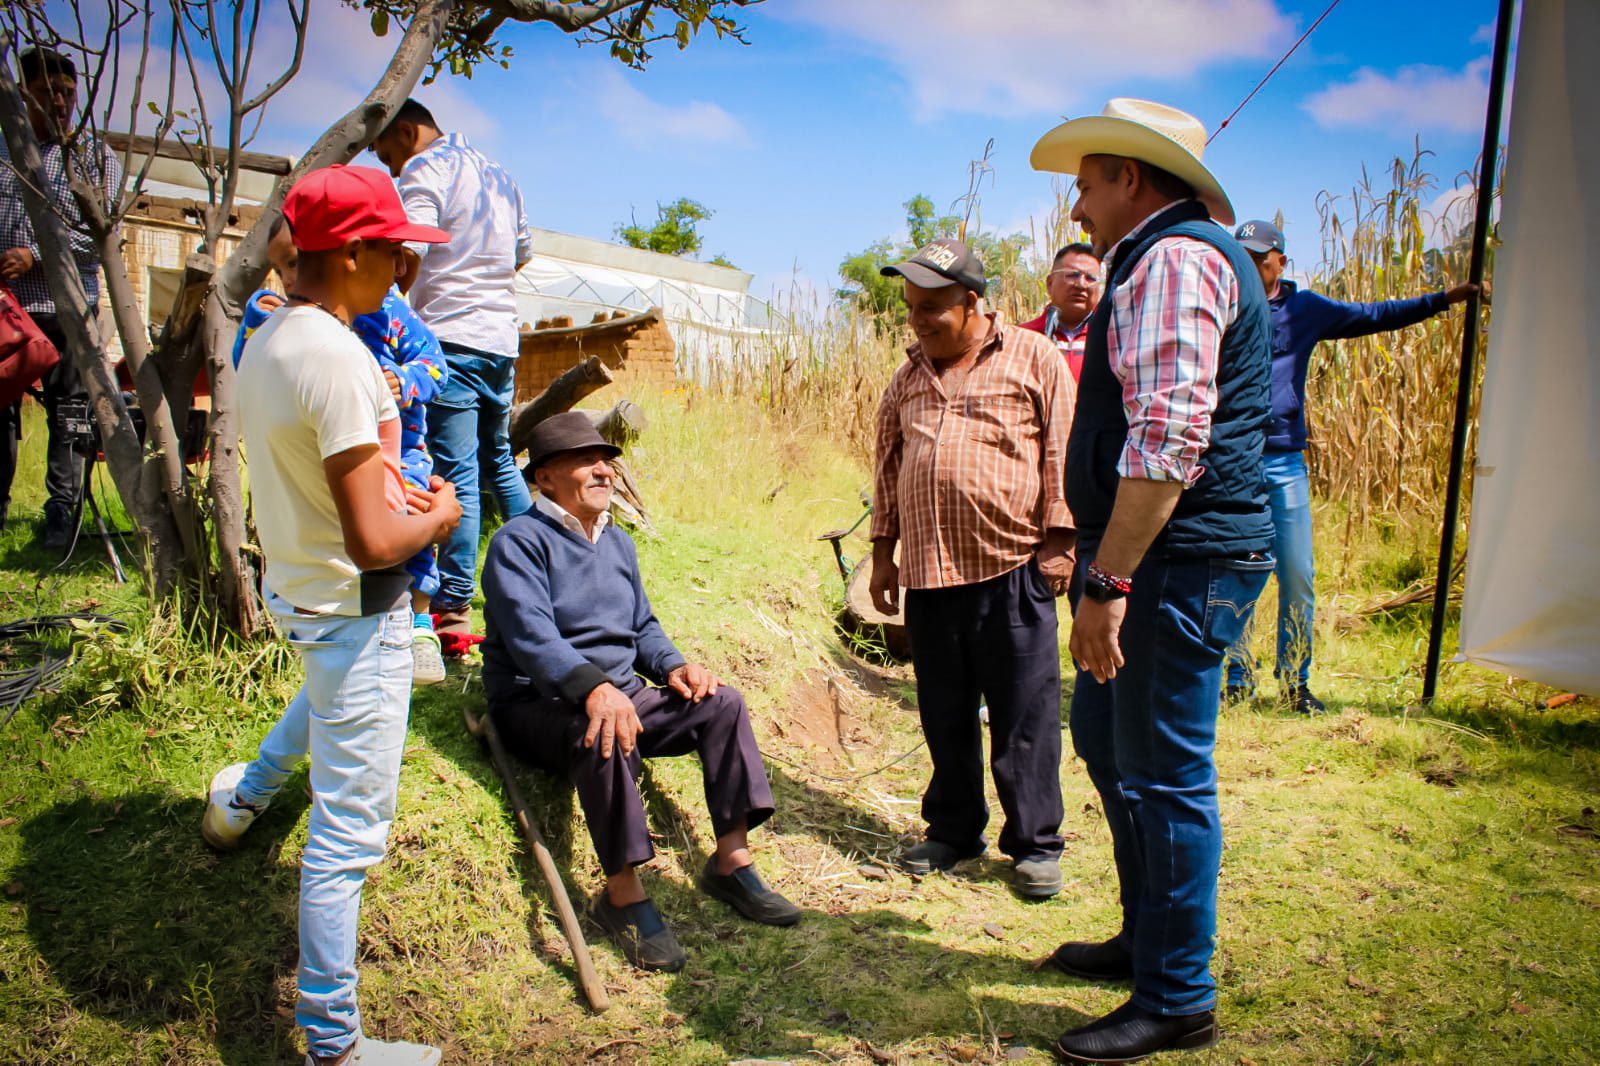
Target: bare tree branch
(569, 17)
(298, 19)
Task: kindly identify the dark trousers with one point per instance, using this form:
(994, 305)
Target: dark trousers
(549, 734)
(63, 477)
(1147, 738)
(996, 640)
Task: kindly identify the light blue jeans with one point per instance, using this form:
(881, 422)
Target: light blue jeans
(350, 718)
(469, 433)
(1289, 493)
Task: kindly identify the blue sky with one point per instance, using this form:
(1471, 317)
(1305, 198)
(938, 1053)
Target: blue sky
(806, 142)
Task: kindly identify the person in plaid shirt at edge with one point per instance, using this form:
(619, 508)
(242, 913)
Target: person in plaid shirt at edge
(971, 453)
(1165, 478)
(50, 87)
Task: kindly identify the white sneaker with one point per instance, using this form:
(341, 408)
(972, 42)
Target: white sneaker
(427, 660)
(226, 818)
(369, 1052)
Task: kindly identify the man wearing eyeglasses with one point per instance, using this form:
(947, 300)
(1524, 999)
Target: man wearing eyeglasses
(1074, 287)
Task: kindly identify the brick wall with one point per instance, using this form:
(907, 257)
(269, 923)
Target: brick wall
(636, 347)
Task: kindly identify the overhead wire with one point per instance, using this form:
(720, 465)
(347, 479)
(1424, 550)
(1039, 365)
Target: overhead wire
(1234, 114)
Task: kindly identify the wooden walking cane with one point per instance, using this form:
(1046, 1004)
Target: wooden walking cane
(483, 729)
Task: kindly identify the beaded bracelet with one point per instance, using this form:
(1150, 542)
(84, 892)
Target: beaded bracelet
(1123, 585)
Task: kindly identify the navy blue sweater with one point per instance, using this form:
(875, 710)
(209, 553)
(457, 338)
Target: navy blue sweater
(1302, 319)
(562, 616)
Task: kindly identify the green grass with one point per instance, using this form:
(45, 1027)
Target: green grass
(1398, 885)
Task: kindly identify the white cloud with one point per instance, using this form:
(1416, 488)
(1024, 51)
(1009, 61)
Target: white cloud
(642, 121)
(1484, 34)
(1413, 99)
(1044, 56)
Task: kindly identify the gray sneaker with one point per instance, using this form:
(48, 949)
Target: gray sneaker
(931, 855)
(427, 660)
(1037, 878)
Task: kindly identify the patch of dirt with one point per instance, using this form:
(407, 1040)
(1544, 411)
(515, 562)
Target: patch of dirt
(818, 716)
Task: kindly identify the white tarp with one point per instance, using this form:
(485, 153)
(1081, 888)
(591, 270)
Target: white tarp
(1533, 566)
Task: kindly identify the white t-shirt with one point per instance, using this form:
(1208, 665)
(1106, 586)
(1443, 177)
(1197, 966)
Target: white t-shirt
(309, 390)
(464, 289)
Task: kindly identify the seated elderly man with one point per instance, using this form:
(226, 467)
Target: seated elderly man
(569, 631)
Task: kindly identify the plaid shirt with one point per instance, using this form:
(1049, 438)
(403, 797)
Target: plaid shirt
(1164, 338)
(969, 482)
(16, 231)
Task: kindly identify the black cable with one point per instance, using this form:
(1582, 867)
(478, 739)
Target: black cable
(17, 683)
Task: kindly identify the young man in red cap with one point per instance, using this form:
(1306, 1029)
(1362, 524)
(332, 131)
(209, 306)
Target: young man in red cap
(334, 577)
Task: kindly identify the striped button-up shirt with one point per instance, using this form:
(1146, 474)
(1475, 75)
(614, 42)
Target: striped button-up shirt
(16, 230)
(1164, 338)
(968, 480)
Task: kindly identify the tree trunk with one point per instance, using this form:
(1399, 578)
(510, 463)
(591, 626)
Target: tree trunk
(241, 275)
(589, 376)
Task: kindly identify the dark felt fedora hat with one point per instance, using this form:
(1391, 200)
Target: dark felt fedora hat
(566, 432)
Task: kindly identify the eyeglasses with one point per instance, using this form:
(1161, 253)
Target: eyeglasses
(1077, 275)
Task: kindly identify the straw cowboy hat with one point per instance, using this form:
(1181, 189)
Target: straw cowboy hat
(1137, 129)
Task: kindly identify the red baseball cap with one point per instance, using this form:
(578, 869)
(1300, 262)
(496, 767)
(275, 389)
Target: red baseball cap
(336, 204)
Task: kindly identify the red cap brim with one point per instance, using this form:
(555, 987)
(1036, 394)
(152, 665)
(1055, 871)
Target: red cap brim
(420, 234)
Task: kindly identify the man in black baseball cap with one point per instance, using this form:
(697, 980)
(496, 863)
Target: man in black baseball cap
(939, 263)
(1301, 319)
(972, 494)
(569, 633)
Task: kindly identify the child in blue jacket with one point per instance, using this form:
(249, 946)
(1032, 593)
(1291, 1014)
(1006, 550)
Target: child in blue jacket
(414, 367)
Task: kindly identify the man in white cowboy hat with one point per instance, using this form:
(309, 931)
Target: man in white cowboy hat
(1164, 478)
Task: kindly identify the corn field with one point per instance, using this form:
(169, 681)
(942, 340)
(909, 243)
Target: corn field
(1380, 408)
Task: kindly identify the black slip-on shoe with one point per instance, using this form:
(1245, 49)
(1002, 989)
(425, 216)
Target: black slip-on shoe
(931, 855)
(1131, 1033)
(1109, 961)
(641, 933)
(745, 892)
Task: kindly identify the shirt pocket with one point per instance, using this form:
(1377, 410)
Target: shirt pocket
(994, 419)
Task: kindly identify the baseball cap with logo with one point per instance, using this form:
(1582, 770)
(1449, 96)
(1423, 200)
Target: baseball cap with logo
(336, 204)
(940, 263)
(1259, 236)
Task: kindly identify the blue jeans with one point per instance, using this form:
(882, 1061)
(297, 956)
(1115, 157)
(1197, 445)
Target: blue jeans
(469, 433)
(1147, 738)
(1289, 492)
(350, 718)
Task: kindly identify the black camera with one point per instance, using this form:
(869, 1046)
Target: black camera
(75, 425)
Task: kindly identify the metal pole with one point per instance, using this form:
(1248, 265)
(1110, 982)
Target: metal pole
(1469, 346)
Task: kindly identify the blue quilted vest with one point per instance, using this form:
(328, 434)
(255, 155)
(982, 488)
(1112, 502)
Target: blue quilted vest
(1224, 513)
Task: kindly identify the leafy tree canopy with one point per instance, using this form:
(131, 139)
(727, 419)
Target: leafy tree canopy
(874, 294)
(674, 231)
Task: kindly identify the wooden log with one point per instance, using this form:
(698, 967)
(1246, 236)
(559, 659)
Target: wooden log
(622, 424)
(588, 376)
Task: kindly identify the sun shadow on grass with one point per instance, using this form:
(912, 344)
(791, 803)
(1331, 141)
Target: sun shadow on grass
(870, 978)
(145, 926)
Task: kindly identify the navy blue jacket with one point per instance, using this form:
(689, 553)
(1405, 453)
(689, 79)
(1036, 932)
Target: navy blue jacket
(562, 616)
(1300, 320)
(1224, 514)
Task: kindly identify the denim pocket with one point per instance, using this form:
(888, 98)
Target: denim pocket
(1234, 586)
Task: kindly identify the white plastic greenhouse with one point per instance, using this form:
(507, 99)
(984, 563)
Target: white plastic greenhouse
(708, 308)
